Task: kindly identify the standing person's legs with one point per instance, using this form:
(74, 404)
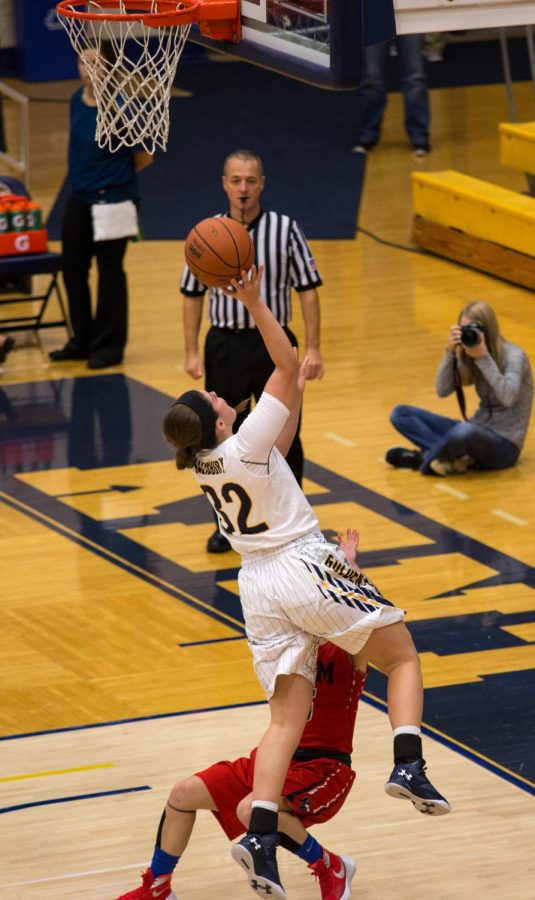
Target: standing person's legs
(6, 346)
(110, 326)
(414, 87)
(227, 360)
(372, 96)
(77, 252)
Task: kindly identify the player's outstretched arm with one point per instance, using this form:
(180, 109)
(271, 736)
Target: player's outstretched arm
(282, 383)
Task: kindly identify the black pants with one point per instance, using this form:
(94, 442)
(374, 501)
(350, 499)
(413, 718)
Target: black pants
(104, 335)
(237, 366)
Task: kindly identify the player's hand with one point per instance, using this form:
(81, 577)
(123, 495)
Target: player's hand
(348, 545)
(315, 365)
(248, 289)
(194, 366)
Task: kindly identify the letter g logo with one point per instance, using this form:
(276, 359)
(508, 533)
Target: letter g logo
(22, 243)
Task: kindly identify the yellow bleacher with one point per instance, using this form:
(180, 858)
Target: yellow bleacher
(477, 207)
(517, 145)
(478, 223)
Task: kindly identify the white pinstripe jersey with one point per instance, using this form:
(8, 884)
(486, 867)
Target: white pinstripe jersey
(250, 485)
(281, 247)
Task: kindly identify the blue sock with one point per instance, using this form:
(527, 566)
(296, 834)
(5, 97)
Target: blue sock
(162, 862)
(310, 851)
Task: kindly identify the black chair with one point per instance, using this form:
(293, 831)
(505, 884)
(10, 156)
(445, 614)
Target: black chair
(16, 279)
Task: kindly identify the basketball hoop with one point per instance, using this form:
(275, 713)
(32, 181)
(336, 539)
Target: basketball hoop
(131, 50)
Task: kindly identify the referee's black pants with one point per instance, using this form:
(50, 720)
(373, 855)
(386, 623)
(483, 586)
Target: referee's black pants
(237, 367)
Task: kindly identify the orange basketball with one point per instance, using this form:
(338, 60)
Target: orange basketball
(217, 250)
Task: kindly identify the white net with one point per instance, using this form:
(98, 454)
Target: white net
(132, 68)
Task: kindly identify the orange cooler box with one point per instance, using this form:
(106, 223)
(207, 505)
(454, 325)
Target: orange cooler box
(13, 243)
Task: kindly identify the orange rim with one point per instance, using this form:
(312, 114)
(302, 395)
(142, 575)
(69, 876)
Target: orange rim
(167, 13)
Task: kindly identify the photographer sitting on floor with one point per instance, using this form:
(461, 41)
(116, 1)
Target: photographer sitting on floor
(492, 438)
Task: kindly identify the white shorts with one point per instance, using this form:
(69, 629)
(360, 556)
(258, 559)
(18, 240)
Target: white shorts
(302, 592)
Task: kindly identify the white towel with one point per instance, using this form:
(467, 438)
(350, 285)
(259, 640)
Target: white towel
(114, 220)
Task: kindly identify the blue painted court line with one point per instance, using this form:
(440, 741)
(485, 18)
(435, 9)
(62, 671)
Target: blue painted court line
(133, 790)
(240, 637)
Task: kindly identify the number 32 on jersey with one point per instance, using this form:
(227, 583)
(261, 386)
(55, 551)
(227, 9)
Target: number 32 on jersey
(238, 504)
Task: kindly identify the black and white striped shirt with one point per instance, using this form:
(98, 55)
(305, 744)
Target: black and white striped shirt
(281, 247)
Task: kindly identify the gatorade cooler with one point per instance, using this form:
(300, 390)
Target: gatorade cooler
(20, 226)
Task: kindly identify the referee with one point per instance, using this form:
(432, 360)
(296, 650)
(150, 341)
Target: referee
(236, 363)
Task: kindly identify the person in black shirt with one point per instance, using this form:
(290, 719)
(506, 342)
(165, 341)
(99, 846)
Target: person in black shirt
(98, 179)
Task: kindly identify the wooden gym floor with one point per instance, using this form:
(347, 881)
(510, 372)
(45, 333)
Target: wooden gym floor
(123, 665)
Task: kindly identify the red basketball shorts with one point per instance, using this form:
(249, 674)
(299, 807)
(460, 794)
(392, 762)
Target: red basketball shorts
(315, 790)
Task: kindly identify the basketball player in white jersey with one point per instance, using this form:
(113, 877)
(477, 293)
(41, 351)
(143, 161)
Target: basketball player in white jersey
(295, 588)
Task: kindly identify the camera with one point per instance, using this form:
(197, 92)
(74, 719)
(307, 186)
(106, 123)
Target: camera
(471, 334)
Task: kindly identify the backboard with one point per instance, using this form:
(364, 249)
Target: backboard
(317, 41)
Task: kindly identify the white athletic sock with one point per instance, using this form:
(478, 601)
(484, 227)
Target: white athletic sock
(265, 804)
(407, 729)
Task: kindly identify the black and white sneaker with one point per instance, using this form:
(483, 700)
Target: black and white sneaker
(403, 458)
(256, 853)
(408, 781)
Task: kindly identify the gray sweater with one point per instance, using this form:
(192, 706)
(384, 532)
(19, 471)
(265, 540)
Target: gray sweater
(505, 393)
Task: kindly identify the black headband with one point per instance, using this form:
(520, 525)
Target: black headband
(195, 401)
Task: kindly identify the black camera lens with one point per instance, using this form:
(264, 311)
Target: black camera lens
(471, 334)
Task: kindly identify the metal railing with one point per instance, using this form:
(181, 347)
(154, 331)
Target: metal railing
(20, 164)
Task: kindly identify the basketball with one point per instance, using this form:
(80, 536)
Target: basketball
(217, 250)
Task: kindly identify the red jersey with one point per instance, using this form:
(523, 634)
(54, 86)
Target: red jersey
(316, 786)
(334, 706)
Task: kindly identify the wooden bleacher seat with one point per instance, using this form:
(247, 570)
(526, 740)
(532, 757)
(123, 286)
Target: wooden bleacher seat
(475, 223)
(517, 145)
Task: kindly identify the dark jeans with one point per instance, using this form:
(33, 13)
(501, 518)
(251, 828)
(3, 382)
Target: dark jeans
(237, 367)
(104, 335)
(443, 438)
(372, 96)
